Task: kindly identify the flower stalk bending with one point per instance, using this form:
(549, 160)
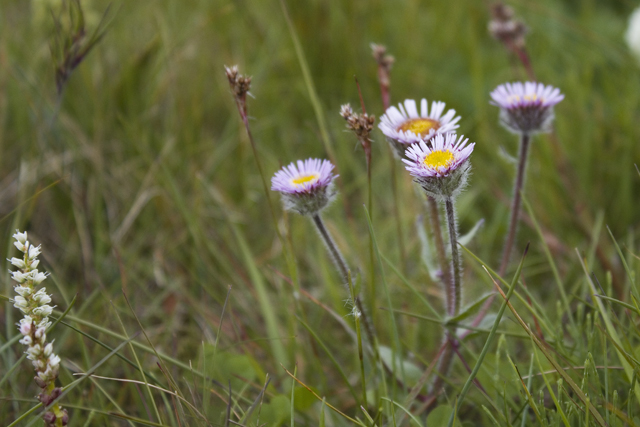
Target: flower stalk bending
(34, 304)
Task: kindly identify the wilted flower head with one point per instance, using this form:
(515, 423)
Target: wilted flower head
(404, 126)
(526, 107)
(440, 167)
(306, 186)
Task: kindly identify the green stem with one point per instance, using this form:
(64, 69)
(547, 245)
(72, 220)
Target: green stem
(396, 209)
(372, 265)
(334, 252)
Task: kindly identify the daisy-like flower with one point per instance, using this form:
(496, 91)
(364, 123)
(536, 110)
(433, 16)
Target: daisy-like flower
(442, 166)
(404, 126)
(306, 186)
(526, 107)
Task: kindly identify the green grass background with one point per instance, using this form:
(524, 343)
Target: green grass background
(144, 182)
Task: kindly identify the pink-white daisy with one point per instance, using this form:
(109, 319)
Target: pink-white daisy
(526, 107)
(306, 185)
(404, 125)
(441, 166)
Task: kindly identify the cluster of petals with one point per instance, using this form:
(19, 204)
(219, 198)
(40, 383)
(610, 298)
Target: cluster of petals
(525, 95)
(34, 304)
(303, 177)
(457, 148)
(393, 119)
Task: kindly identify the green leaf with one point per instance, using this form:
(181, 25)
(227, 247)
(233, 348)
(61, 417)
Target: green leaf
(466, 238)
(470, 309)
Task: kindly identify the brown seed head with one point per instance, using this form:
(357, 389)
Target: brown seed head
(240, 84)
(360, 124)
(504, 27)
(380, 54)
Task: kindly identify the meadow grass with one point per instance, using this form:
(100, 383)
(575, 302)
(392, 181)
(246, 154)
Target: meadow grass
(143, 189)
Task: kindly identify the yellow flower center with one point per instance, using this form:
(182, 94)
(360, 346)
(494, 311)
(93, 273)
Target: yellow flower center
(305, 178)
(439, 159)
(419, 126)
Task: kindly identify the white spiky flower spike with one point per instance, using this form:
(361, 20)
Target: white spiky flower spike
(34, 304)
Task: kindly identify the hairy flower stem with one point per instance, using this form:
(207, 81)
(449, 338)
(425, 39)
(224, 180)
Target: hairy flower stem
(345, 274)
(516, 203)
(454, 294)
(436, 229)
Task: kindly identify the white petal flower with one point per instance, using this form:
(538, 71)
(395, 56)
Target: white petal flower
(22, 247)
(54, 361)
(34, 263)
(24, 291)
(41, 297)
(38, 277)
(33, 352)
(34, 251)
(26, 340)
(25, 327)
(18, 262)
(20, 302)
(20, 237)
(43, 311)
(19, 276)
(48, 349)
(40, 333)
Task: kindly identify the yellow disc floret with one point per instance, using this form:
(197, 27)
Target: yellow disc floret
(420, 126)
(303, 179)
(439, 159)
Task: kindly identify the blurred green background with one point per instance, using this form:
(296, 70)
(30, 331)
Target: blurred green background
(143, 179)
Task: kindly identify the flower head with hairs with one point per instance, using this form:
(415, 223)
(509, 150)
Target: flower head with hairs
(306, 186)
(526, 107)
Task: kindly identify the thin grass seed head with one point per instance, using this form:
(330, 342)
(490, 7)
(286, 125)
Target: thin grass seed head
(404, 125)
(442, 166)
(306, 186)
(526, 107)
